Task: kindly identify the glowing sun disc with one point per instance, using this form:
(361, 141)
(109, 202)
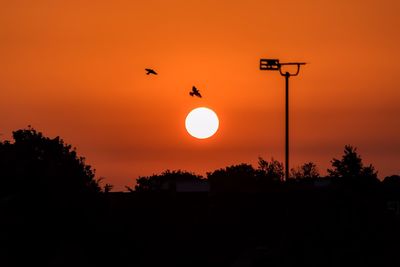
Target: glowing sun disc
(202, 123)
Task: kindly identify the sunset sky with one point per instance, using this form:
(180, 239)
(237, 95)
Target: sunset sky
(75, 69)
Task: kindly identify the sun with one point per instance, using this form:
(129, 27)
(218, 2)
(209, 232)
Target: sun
(202, 123)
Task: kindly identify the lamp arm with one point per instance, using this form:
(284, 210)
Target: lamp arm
(294, 74)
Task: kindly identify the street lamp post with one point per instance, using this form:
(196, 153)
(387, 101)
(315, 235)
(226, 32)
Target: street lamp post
(275, 65)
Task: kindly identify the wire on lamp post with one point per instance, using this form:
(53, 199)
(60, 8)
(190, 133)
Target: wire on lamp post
(275, 65)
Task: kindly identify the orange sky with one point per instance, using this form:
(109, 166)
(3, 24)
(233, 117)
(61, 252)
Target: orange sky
(76, 69)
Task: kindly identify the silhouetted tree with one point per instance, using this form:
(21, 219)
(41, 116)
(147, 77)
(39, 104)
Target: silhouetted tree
(306, 171)
(245, 178)
(393, 180)
(272, 171)
(235, 178)
(34, 163)
(351, 166)
(165, 181)
(391, 187)
(53, 195)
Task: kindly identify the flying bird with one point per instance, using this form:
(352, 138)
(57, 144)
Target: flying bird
(150, 71)
(195, 92)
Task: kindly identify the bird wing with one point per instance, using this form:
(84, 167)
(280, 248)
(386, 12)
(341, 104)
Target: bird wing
(150, 71)
(195, 92)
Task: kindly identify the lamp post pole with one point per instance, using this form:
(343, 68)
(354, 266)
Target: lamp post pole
(287, 75)
(273, 64)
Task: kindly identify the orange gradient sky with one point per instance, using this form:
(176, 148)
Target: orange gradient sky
(76, 69)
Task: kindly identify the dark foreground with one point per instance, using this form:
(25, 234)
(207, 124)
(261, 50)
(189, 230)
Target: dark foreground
(282, 227)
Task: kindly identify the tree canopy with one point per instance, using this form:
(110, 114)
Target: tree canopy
(38, 164)
(272, 171)
(306, 171)
(351, 166)
(244, 177)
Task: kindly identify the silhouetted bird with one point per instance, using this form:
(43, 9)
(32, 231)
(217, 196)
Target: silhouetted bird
(195, 92)
(150, 71)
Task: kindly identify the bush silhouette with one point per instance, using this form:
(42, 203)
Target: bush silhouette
(245, 178)
(306, 171)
